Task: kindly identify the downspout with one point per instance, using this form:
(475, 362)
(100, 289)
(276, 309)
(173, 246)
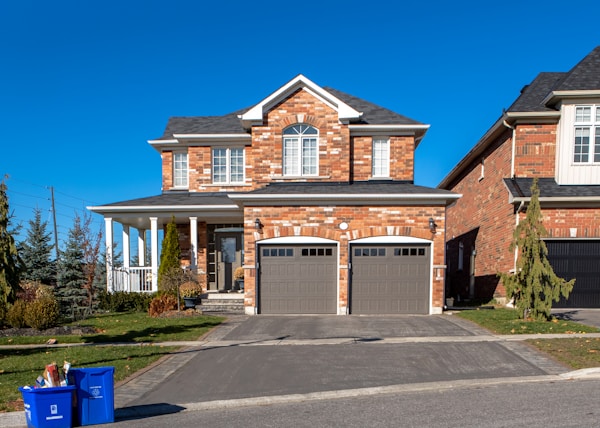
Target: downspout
(512, 152)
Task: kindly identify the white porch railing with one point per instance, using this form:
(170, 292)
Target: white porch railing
(133, 279)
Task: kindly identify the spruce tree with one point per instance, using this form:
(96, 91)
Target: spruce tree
(36, 252)
(534, 285)
(170, 253)
(10, 263)
(71, 275)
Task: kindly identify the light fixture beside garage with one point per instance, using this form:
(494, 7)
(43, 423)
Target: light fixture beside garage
(432, 225)
(257, 224)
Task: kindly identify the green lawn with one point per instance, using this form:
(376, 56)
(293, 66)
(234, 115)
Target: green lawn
(506, 321)
(21, 367)
(129, 327)
(576, 353)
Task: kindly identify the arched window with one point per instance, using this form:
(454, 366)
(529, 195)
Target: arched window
(300, 150)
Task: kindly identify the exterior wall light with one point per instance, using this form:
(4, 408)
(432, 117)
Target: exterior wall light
(257, 224)
(432, 225)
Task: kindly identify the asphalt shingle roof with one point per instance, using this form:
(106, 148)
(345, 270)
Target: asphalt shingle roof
(521, 188)
(177, 199)
(584, 76)
(231, 124)
(355, 188)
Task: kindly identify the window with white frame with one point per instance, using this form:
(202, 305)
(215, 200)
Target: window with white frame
(300, 150)
(180, 169)
(228, 165)
(381, 157)
(587, 134)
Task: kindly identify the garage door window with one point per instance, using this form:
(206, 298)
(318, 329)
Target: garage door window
(419, 252)
(369, 252)
(278, 252)
(311, 252)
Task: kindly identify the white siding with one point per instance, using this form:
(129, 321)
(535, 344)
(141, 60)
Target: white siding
(568, 172)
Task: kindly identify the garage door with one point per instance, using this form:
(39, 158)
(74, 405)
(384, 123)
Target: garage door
(390, 279)
(298, 279)
(577, 259)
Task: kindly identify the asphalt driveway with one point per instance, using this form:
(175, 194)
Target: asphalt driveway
(265, 356)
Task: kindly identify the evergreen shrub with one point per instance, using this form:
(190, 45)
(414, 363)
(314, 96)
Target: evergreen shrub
(43, 313)
(123, 301)
(16, 314)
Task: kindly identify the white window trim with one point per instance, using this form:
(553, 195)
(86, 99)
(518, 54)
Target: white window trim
(594, 126)
(186, 170)
(374, 167)
(299, 150)
(228, 181)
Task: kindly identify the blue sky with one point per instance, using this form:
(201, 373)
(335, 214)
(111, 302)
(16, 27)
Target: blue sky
(85, 84)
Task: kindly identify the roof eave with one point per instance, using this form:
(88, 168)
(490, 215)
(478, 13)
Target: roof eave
(351, 199)
(553, 97)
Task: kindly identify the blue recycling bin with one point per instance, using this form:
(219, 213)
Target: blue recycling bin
(95, 396)
(48, 407)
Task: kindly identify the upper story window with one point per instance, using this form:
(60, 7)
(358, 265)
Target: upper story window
(300, 150)
(180, 170)
(381, 157)
(228, 165)
(587, 134)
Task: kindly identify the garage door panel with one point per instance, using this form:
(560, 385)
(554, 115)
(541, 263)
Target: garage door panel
(390, 279)
(579, 259)
(298, 279)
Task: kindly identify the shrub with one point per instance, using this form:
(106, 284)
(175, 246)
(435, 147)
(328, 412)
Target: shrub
(162, 303)
(238, 273)
(3, 312)
(190, 289)
(122, 301)
(16, 314)
(43, 313)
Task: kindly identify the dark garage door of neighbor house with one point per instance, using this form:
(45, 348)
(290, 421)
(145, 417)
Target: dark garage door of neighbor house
(298, 279)
(579, 259)
(390, 279)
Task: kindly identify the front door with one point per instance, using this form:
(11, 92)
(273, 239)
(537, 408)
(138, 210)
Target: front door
(229, 257)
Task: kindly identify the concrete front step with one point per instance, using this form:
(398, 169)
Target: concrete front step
(232, 303)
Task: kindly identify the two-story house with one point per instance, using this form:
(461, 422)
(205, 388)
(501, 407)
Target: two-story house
(311, 191)
(550, 132)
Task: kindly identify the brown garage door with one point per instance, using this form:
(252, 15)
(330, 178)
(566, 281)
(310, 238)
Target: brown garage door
(298, 279)
(577, 259)
(390, 279)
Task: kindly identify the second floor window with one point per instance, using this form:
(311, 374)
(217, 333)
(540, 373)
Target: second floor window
(228, 165)
(587, 134)
(180, 170)
(300, 150)
(381, 157)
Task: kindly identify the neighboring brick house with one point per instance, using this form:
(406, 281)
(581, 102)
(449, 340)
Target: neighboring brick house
(551, 132)
(311, 191)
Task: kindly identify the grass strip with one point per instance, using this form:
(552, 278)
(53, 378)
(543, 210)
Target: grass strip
(22, 366)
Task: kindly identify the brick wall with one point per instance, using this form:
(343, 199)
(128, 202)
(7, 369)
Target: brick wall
(535, 150)
(484, 221)
(363, 222)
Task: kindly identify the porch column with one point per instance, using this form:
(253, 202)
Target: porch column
(154, 251)
(141, 247)
(126, 244)
(108, 227)
(194, 244)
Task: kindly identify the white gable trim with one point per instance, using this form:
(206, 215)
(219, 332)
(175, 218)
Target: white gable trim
(255, 115)
(297, 240)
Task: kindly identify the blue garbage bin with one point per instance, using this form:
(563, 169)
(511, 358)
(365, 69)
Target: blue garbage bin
(48, 407)
(95, 395)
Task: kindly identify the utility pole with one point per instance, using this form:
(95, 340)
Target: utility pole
(54, 222)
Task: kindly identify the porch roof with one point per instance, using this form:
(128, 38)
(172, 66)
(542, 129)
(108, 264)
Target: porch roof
(552, 193)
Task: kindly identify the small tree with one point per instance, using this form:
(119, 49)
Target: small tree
(170, 254)
(534, 285)
(36, 251)
(71, 275)
(10, 263)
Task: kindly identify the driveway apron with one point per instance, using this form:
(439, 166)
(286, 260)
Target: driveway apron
(280, 355)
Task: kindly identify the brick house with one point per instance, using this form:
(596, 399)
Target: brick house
(310, 191)
(552, 132)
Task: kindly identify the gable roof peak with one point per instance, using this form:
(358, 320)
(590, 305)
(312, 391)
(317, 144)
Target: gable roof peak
(255, 114)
